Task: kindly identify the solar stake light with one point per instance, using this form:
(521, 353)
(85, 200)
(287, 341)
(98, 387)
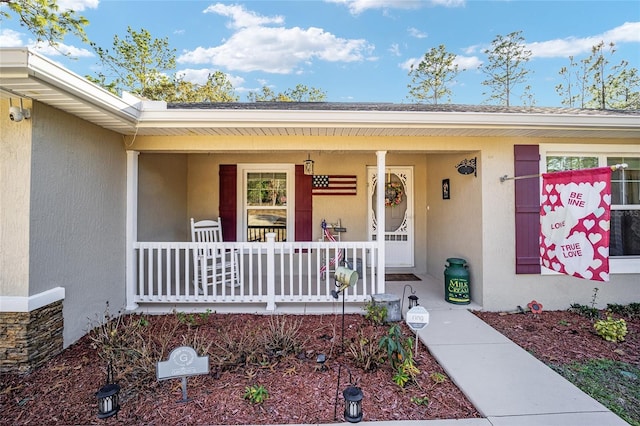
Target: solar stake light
(320, 360)
(413, 299)
(353, 404)
(108, 399)
(108, 403)
(352, 400)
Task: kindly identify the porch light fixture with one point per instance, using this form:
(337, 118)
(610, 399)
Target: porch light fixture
(413, 299)
(308, 166)
(108, 403)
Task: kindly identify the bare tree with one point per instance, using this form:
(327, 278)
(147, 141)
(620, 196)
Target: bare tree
(506, 67)
(598, 84)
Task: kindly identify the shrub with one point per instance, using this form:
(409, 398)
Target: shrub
(611, 330)
(377, 314)
(282, 337)
(255, 394)
(366, 353)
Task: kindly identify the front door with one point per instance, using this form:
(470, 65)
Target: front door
(398, 226)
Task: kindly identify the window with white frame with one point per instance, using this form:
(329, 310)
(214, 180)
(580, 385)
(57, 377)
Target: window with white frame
(267, 201)
(624, 245)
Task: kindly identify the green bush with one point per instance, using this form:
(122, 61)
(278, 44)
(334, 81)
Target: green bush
(377, 314)
(611, 330)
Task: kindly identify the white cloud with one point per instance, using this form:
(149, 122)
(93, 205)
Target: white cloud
(394, 49)
(463, 62)
(10, 38)
(467, 62)
(242, 18)
(414, 32)
(61, 49)
(77, 5)
(199, 76)
(406, 65)
(358, 6)
(256, 47)
(629, 32)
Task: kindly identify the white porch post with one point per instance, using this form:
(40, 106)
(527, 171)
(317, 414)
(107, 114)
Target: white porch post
(131, 229)
(271, 271)
(381, 219)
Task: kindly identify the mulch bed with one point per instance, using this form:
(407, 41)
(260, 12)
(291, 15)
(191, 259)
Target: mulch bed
(562, 337)
(63, 391)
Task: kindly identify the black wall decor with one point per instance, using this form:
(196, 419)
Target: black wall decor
(466, 167)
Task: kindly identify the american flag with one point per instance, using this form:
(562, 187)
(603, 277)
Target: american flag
(334, 185)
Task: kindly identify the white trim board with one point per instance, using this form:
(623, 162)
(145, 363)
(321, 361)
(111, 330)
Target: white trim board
(31, 303)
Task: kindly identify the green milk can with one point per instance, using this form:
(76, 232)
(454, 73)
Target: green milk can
(456, 281)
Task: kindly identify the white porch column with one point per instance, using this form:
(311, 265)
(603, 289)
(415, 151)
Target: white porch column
(131, 229)
(381, 219)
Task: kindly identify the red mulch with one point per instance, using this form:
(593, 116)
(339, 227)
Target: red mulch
(63, 390)
(561, 337)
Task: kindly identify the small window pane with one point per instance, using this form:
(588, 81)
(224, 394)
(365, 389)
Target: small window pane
(559, 163)
(262, 221)
(625, 233)
(625, 183)
(266, 189)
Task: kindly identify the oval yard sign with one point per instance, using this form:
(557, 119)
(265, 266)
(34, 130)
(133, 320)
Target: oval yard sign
(417, 318)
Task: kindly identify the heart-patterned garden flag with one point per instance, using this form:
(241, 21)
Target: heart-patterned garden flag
(574, 222)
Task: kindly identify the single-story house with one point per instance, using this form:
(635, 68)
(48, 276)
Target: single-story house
(97, 192)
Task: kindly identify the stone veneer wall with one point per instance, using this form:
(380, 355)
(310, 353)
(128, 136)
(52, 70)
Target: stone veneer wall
(29, 339)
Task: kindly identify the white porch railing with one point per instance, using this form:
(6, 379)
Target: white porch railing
(267, 272)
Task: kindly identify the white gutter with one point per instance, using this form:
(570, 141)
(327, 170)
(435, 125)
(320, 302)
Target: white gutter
(22, 63)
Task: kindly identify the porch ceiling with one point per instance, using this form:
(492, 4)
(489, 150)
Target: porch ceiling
(25, 74)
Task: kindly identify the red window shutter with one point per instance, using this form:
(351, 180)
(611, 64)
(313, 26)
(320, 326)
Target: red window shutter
(527, 196)
(228, 201)
(304, 206)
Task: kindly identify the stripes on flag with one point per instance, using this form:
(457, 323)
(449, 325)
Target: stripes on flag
(334, 185)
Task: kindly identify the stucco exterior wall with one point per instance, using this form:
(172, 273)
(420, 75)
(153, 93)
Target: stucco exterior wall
(503, 289)
(455, 224)
(162, 197)
(15, 166)
(77, 216)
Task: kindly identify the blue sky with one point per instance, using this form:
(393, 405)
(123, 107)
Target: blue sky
(353, 50)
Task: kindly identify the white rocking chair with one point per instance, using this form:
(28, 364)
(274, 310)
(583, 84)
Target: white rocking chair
(213, 266)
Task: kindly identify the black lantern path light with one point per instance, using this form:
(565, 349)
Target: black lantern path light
(108, 400)
(413, 299)
(352, 400)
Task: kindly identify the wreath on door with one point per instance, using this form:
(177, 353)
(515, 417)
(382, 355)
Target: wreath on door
(393, 194)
